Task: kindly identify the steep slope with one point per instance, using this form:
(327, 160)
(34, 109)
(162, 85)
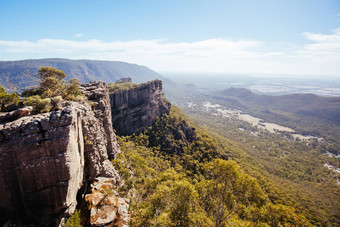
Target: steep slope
(84, 70)
(178, 175)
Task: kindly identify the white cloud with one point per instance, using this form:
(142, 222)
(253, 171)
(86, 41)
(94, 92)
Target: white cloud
(78, 35)
(321, 55)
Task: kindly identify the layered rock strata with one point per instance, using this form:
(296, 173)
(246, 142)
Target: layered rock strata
(46, 158)
(135, 109)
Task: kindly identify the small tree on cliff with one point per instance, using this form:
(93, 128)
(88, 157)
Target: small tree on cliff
(52, 87)
(51, 81)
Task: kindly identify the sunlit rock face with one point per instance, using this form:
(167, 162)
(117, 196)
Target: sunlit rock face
(45, 159)
(105, 205)
(49, 160)
(136, 109)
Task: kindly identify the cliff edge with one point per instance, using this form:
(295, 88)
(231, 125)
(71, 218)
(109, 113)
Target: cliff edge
(135, 109)
(47, 159)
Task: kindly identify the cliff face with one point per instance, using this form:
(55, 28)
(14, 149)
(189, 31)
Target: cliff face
(46, 158)
(49, 160)
(136, 109)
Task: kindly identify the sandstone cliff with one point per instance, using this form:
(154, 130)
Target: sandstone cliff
(47, 158)
(135, 109)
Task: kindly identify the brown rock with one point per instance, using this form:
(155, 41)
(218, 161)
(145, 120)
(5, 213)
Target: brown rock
(46, 158)
(106, 208)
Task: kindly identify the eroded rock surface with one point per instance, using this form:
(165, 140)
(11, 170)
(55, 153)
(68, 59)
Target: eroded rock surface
(135, 109)
(106, 207)
(46, 158)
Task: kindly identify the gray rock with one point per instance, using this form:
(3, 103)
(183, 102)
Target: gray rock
(136, 109)
(124, 80)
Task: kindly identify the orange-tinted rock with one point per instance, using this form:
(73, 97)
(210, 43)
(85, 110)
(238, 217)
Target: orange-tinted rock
(106, 208)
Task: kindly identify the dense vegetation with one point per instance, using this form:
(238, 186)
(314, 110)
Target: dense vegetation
(290, 172)
(177, 175)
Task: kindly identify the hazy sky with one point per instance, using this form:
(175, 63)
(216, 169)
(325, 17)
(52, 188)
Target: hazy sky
(296, 37)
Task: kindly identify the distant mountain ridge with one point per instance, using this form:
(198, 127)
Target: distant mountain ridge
(294, 103)
(308, 111)
(84, 70)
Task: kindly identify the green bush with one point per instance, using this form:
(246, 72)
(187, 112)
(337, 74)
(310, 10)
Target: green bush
(32, 91)
(115, 87)
(52, 91)
(39, 105)
(74, 220)
(7, 99)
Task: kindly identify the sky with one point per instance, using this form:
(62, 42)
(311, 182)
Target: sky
(269, 37)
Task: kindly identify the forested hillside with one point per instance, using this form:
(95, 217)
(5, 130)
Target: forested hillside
(303, 174)
(178, 175)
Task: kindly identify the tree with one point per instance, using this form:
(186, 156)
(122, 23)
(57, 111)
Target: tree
(52, 90)
(51, 81)
(7, 100)
(227, 189)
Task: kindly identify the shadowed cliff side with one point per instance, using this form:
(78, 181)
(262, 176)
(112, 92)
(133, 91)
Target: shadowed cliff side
(137, 107)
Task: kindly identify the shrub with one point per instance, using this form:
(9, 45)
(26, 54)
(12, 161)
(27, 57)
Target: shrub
(74, 220)
(32, 91)
(52, 90)
(115, 87)
(7, 100)
(39, 105)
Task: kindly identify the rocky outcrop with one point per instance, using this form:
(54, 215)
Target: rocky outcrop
(135, 109)
(47, 158)
(98, 95)
(124, 80)
(106, 207)
(15, 114)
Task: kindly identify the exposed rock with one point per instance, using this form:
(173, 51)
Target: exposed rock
(136, 109)
(124, 80)
(15, 114)
(98, 94)
(46, 158)
(106, 208)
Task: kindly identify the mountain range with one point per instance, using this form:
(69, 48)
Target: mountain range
(13, 72)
